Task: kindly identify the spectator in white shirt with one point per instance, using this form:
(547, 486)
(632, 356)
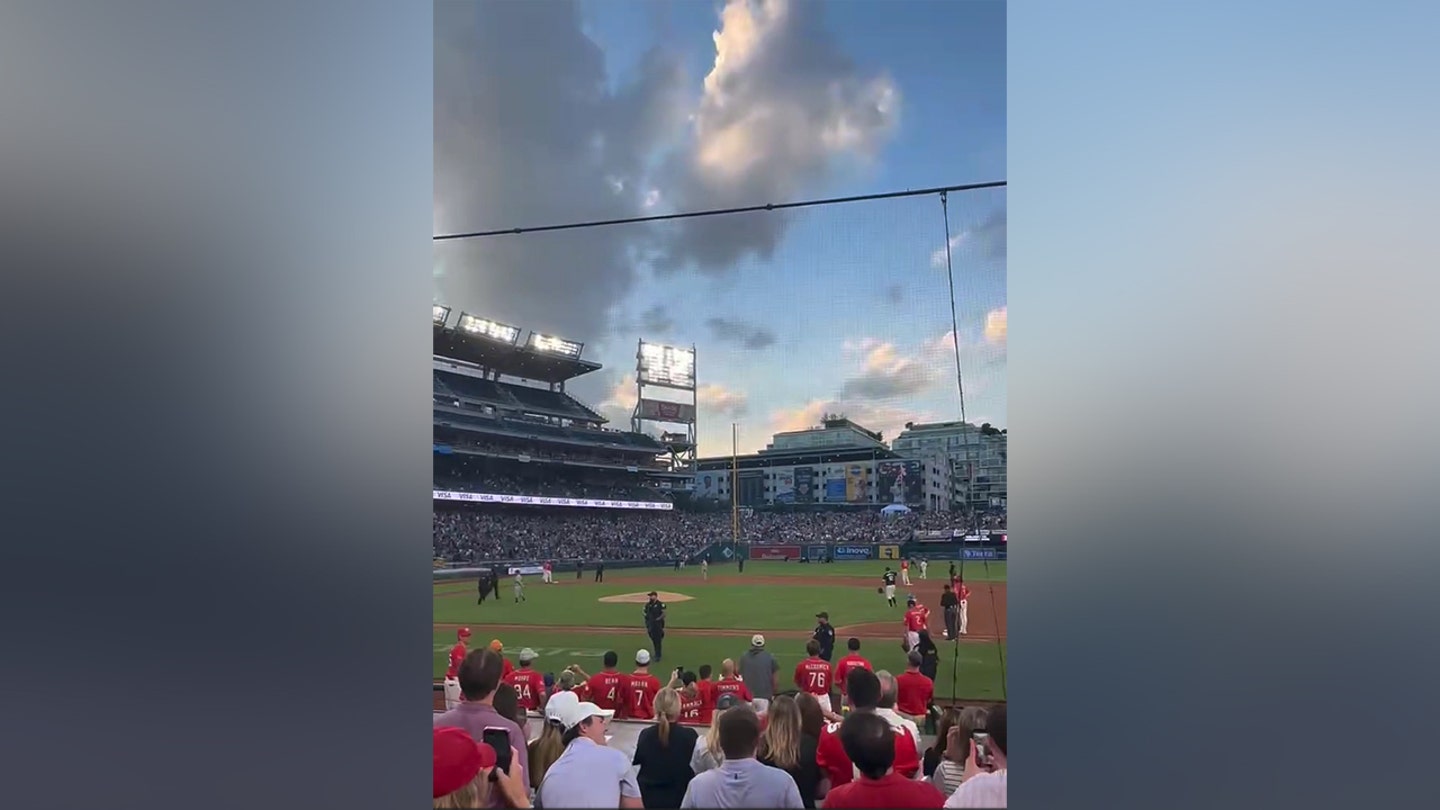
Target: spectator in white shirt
(589, 773)
(986, 769)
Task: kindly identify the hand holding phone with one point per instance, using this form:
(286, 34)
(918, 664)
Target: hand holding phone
(499, 740)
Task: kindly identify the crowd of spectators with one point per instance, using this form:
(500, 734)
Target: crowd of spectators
(712, 743)
(482, 532)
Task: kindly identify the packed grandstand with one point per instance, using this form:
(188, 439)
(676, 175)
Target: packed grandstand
(529, 472)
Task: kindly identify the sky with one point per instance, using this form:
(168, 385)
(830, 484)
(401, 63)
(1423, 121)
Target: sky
(559, 112)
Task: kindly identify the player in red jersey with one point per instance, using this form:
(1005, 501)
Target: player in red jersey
(905, 572)
(963, 592)
(607, 688)
(452, 672)
(851, 660)
(706, 688)
(547, 572)
(863, 695)
(692, 700)
(529, 683)
(640, 700)
(917, 618)
(500, 648)
(729, 684)
(813, 675)
(913, 691)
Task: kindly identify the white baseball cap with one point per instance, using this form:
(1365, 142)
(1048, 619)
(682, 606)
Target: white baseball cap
(527, 654)
(642, 657)
(757, 640)
(558, 702)
(573, 713)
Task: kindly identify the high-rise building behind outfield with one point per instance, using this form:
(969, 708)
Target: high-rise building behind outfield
(948, 442)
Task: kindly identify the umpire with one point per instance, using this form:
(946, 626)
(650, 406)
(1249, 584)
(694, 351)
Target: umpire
(655, 621)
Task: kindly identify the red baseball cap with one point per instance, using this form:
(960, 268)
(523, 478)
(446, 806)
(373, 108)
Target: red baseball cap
(463, 632)
(458, 758)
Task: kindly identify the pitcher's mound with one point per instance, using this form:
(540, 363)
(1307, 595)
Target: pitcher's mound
(642, 598)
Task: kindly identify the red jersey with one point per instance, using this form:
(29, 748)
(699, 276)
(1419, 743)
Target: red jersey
(641, 698)
(849, 662)
(707, 700)
(913, 692)
(546, 568)
(904, 565)
(831, 757)
(507, 669)
(607, 689)
(917, 618)
(732, 686)
(890, 790)
(813, 675)
(964, 592)
(529, 685)
(457, 657)
(692, 707)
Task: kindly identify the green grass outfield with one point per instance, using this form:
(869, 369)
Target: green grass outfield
(724, 616)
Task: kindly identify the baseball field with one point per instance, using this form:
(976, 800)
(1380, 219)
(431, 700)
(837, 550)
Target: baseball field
(577, 620)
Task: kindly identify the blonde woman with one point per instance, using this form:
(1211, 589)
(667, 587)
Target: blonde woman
(462, 774)
(784, 745)
(662, 753)
(707, 749)
(547, 747)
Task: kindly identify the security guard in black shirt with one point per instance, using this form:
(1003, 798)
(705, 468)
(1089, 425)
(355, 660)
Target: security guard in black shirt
(825, 634)
(655, 621)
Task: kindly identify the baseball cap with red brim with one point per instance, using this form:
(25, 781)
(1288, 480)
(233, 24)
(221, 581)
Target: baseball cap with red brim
(458, 758)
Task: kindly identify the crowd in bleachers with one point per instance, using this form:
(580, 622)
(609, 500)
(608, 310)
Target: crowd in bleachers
(476, 533)
(743, 738)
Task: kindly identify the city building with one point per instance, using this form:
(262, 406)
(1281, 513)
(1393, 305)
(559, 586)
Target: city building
(948, 441)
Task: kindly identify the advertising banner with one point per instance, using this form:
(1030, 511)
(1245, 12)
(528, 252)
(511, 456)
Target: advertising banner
(889, 552)
(935, 536)
(982, 554)
(707, 485)
(774, 552)
(835, 489)
(855, 484)
(816, 553)
(541, 500)
(785, 487)
(854, 552)
(900, 482)
(805, 484)
(660, 411)
(524, 569)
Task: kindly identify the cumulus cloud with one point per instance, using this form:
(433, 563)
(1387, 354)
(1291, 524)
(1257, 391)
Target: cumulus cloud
(619, 401)
(740, 333)
(717, 399)
(780, 110)
(986, 239)
(529, 132)
(887, 420)
(997, 325)
(937, 259)
(886, 373)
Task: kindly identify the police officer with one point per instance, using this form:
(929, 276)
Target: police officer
(483, 583)
(655, 621)
(825, 634)
(495, 580)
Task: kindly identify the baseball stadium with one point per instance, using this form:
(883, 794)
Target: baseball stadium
(552, 528)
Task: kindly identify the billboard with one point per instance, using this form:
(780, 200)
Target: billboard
(835, 489)
(707, 485)
(660, 411)
(981, 554)
(785, 487)
(900, 482)
(542, 500)
(816, 553)
(669, 366)
(774, 552)
(805, 484)
(854, 552)
(855, 484)
(889, 552)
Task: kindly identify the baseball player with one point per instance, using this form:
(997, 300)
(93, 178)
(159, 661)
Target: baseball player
(964, 594)
(889, 579)
(924, 564)
(917, 616)
(547, 574)
(813, 674)
(529, 683)
(905, 572)
(705, 568)
(519, 587)
(452, 672)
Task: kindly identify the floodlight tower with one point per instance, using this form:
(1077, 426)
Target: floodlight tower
(670, 368)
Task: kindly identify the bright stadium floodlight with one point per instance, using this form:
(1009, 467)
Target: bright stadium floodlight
(487, 328)
(667, 365)
(439, 314)
(554, 345)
